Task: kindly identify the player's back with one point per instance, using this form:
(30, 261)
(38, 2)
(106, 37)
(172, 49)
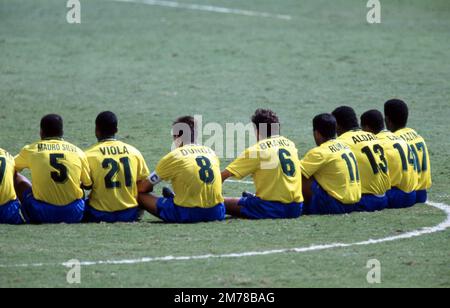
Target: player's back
(420, 150)
(7, 192)
(372, 162)
(194, 171)
(58, 168)
(335, 168)
(275, 166)
(116, 167)
(401, 160)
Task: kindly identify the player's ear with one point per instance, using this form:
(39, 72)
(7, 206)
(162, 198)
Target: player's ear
(317, 137)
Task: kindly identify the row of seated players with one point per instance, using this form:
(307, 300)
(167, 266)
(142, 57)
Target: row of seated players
(366, 168)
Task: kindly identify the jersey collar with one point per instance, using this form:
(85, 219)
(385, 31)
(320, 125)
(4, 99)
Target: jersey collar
(107, 139)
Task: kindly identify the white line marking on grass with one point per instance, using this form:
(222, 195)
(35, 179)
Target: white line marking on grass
(424, 231)
(240, 182)
(208, 8)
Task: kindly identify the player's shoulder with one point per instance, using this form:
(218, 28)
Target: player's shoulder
(132, 150)
(5, 154)
(92, 150)
(409, 134)
(70, 147)
(30, 147)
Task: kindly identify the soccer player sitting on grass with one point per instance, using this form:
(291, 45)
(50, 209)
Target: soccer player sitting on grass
(116, 170)
(10, 209)
(58, 169)
(371, 159)
(331, 177)
(194, 171)
(274, 165)
(396, 113)
(401, 160)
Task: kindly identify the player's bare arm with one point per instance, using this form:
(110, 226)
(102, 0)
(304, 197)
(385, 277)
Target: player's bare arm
(226, 175)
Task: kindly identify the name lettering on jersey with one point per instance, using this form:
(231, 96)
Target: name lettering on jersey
(409, 136)
(363, 138)
(114, 150)
(195, 151)
(337, 147)
(44, 147)
(274, 144)
(393, 138)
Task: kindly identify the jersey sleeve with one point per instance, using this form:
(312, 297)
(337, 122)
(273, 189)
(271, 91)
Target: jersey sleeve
(21, 160)
(167, 167)
(246, 164)
(311, 163)
(142, 171)
(85, 171)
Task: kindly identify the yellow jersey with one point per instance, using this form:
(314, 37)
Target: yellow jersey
(7, 192)
(58, 169)
(116, 167)
(333, 165)
(274, 165)
(420, 150)
(401, 160)
(194, 172)
(372, 161)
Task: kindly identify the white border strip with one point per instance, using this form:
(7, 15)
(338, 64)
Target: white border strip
(208, 8)
(239, 182)
(439, 228)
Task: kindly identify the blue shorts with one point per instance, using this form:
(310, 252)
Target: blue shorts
(323, 204)
(11, 213)
(96, 216)
(256, 208)
(371, 203)
(172, 213)
(42, 212)
(398, 199)
(422, 196)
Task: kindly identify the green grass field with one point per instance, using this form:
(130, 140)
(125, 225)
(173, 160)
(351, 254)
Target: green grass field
(150, 64)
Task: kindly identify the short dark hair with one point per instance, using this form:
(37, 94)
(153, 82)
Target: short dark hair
(325, 124)
(374, 120)
(107, 123)
(397, 111)
(52, 126)
(189, 121)
(268, 118)
(346, 118)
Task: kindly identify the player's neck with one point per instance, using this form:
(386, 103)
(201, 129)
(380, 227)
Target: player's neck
(44, 138)
(108, 138)
(355, 129)
(189, 144)
(262, 138)
(396, 129)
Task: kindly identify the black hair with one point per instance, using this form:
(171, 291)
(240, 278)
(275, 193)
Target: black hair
(189, 121)
(346, 118)
(267, 119)
(397, 112)
(325, 124)
(374, 120)
(107, 124)
(52, 126)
